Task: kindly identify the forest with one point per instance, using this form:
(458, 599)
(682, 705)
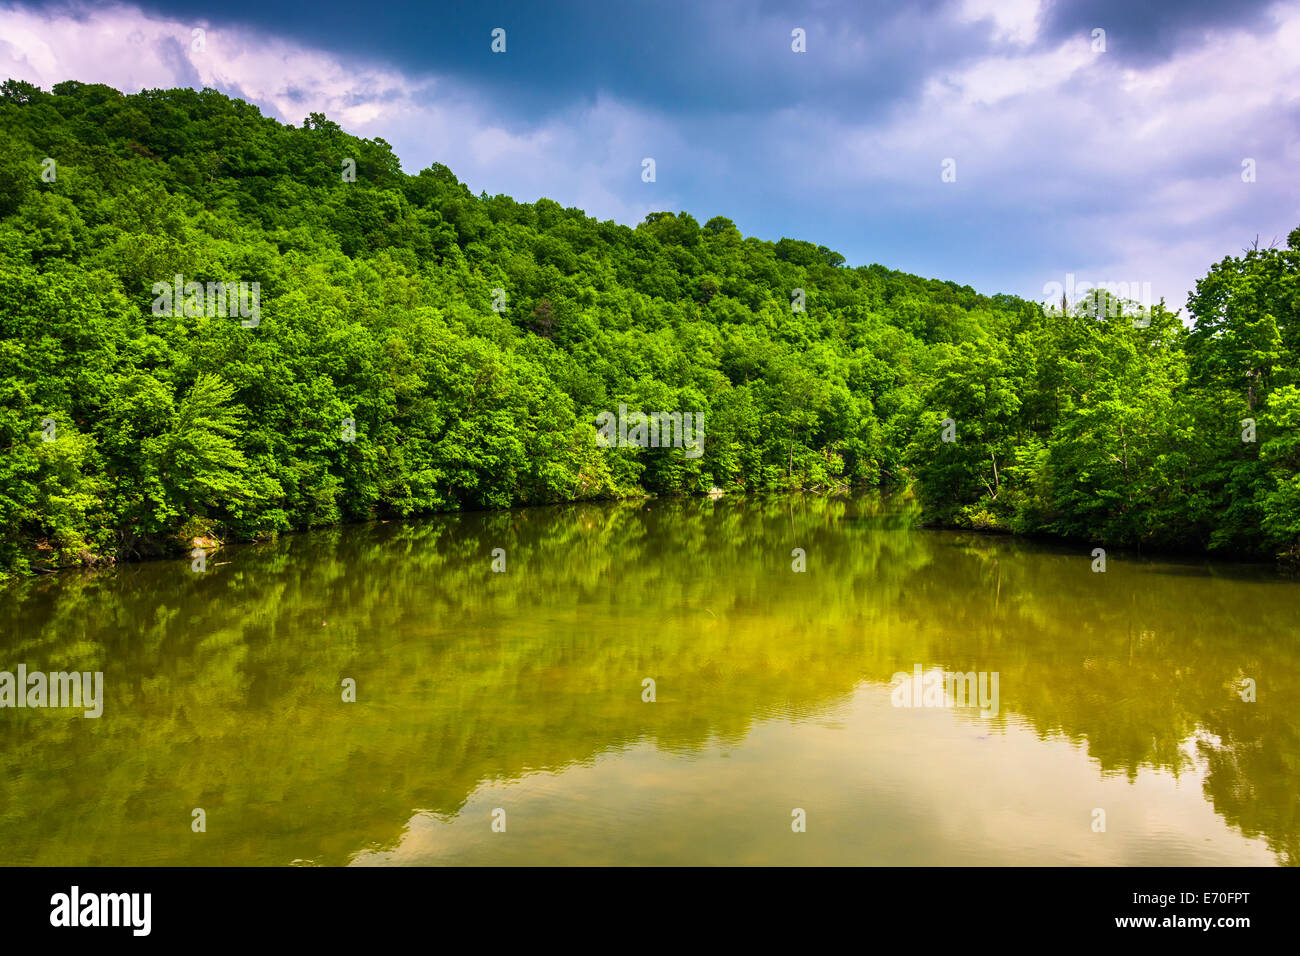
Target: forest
(420, 349)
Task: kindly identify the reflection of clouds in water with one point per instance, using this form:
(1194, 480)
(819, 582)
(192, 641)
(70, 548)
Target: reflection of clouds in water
(881, 786)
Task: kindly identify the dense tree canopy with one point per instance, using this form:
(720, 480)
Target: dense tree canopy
(419, 349)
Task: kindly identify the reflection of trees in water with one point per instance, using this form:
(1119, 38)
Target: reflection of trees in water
(1135, 661)
(223, 688)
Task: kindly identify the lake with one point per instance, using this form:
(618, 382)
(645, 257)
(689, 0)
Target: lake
(653, 683)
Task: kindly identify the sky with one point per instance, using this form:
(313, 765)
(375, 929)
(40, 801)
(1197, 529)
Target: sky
(1002, 144)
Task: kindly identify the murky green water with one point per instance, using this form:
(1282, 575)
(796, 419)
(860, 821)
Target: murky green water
(522, 692)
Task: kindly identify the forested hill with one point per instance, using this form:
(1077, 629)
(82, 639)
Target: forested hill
(417, 348)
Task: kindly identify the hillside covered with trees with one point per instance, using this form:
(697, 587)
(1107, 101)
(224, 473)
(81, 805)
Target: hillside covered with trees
(420, 349)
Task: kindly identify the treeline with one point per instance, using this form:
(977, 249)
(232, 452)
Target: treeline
(421, 349)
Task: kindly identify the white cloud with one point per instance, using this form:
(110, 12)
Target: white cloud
(1067, 158)
(1014, 20)
(130, 50)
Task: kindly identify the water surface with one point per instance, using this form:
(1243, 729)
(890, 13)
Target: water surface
(519, 695)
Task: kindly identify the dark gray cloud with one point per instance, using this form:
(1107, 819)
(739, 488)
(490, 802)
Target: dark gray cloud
(1146, 32)
(728, 56)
